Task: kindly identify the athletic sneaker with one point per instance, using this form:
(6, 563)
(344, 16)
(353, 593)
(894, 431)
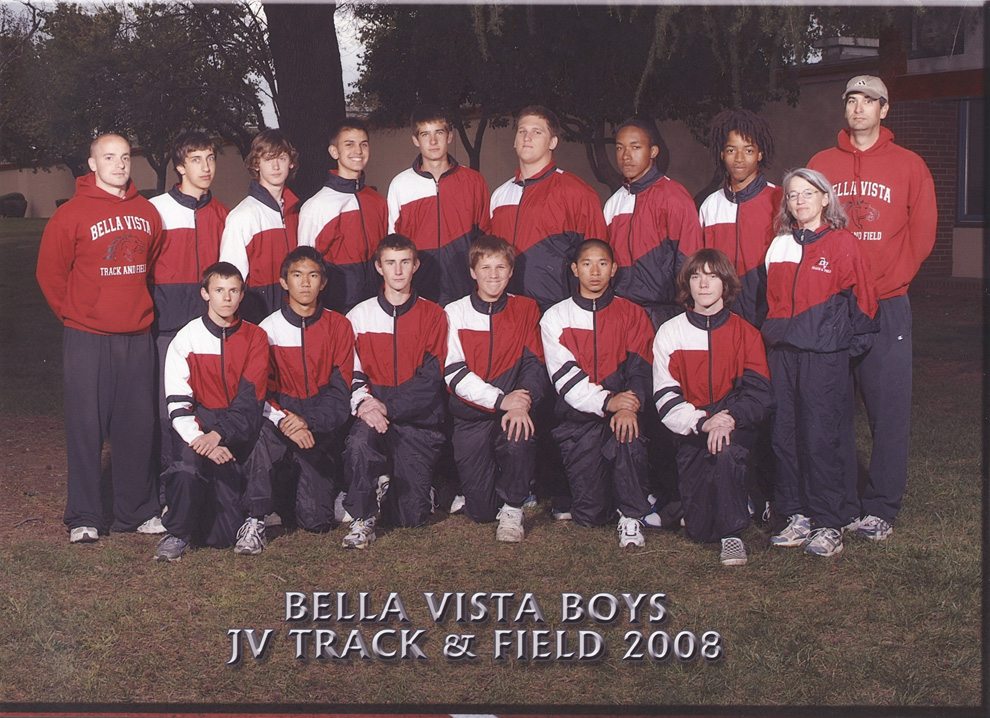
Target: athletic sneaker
(151, 526)
(733, 552)
(510, 524)
(796, 532)
(874, 528)
(852, 525)
(340, 514)
(559, 515)
(652, 520)
(630, 532)
(824, 541)
(457, 505)
(170, 548)
(530, 502)
(383, 483)
(250, 537)
(83, 534)
(361, 534)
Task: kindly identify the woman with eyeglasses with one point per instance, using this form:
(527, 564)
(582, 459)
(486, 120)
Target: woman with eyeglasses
(821, 314)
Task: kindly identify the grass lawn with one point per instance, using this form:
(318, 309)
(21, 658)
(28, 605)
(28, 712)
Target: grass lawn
(892, 624)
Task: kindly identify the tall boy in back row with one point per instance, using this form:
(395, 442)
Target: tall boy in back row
(441, 206)
(346, 220)
(889, 197)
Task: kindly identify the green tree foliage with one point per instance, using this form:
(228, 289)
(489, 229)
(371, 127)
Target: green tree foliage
(593, 65)
(144, 71)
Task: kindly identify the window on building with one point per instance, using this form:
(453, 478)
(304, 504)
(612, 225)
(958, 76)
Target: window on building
(938, 31)
(972, 144)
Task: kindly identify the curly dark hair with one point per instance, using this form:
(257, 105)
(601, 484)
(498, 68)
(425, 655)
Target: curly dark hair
(748, 125)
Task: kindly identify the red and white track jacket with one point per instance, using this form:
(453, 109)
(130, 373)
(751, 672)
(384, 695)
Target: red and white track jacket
(399, 353)
(345, 221)
(702, 365)
(820, 295)
(191, 231)
(595, 348)
(312, 364)
(740, 224)
(94, 258)
(216, 379)
(258, 234)
(442, 217)
(493, 348)
(889, 197)
(545, 218)
(652, 227)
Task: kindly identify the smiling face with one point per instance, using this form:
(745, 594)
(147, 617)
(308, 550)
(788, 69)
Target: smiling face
(741, 157)
(224, 297)
(706, 291)
(197, 172)
(806, 202)
(492, 273)
(352, 152)
(534, 144)
(594, 269)
(432, 139)
(304, 282)
(634, 153)
(110, 160)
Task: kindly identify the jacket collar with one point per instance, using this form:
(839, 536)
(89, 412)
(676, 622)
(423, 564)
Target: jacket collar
(296, 320)
(265, 197)
(594, 305)
(651, 177)
(713, 321)
(218, 331)
(747, 192)
(190, 202)
(341, 184)
(805, 237)
(480, 305)
(417, 167)
(399, 310)
(538, 177)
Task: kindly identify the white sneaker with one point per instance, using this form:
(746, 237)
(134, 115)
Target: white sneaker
(652, 520)
(630, 532)
(83, 534)
(361, 534)
(510, 525)
(250, 537)
(151, 526)
(560, 515)
(383, 483)
(530, 502)
(340, 514)
(457, 505)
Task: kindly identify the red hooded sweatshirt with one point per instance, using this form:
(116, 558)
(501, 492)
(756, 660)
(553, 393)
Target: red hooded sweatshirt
(93, 263)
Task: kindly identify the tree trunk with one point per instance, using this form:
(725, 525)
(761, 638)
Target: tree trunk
(473, 149)
(304, 48)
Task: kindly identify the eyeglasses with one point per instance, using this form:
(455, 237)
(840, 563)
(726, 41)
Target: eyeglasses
(806, 195)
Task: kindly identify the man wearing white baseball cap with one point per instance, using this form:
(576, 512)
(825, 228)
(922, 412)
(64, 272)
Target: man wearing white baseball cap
(888, 194)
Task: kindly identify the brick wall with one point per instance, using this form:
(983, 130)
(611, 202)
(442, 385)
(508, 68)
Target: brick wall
(931, 129)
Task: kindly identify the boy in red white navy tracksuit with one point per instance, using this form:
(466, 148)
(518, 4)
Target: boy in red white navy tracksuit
(92, 269)
(544, 212)
(192, 224)
(652, 225)
(440, 205)
(216, 374)
(346, 220)
(712, 389)
(397, 396)
(261, 230)
(738, 218)
(309, 391)
(598, 355)
(495, 370)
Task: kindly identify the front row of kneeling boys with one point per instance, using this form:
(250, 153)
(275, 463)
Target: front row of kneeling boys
(243, 398)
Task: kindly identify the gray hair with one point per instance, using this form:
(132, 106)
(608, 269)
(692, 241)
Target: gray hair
(832, 214)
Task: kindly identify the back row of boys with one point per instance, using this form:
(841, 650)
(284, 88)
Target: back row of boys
(651, 225)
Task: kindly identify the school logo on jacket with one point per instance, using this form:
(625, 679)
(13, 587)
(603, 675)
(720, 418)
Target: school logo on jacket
(859, 211)
(125, 248)
(822, 266)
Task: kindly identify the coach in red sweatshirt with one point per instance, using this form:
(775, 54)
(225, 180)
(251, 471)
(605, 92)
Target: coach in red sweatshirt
(92, 268)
